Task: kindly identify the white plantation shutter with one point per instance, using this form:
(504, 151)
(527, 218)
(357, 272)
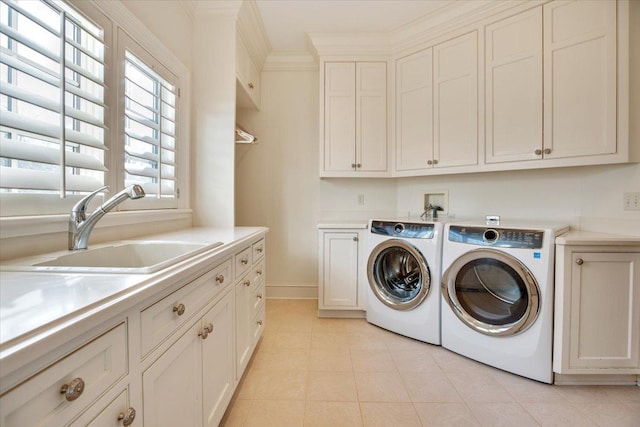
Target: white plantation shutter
(52, 92)
(149, 128)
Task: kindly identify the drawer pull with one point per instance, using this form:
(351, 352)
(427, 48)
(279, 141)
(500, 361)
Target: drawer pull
(251, 86)
(127, 417)
(259, 249)
(259, 296)
(179, 309)
(547, 151)
(206, 331)
(260, 322)
(537, 152)
(247, 283)
(579, 261)
(429, 162)
(244, 261)
(73, 390)
(259, 272)
(220, 279)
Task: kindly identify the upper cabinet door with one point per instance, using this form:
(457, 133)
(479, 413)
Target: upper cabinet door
(371, 116)
(580, 78)
(513, 82)
(414, 111)
(455, 70)
(339, 116)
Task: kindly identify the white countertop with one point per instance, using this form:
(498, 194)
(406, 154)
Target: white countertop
(577, 237)
(35, 304)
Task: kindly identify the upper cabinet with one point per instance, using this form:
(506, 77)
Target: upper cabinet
(354, 119)
(247, 78)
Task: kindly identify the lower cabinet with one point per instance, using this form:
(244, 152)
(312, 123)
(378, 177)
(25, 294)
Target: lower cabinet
(597, 310)
(341, 281)
(193, 380)
(250, 321)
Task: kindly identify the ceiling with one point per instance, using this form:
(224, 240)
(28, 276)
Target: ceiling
(286, 22)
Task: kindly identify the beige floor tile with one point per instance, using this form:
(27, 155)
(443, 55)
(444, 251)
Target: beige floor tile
(389, 415)
(332, 414)
(381, 387)
(330, 359)
(332, 326)
(527, 390)
(605, 414)
(236, 413)
(372, 361)
(479, 387)
(275, 413)
(282, 360)
(268, 384)
(293, 340)
(361, 326)
(396, 342)
(324, 340)
(502, 415)
(452, 362)
(332, 386)
(558, 415)
(588, 394)
(367, 341)
(445, 414)
(295, 323)
(415, 361)
(430, 387)
(624, 393)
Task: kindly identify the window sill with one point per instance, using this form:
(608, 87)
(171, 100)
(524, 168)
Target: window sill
(22, 226)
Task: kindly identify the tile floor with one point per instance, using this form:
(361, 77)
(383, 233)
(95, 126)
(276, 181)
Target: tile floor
(313, 372)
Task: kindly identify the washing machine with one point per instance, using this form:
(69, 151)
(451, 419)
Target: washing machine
(403, 271)
(497, 292)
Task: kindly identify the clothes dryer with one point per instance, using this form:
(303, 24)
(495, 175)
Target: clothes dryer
(403, 272)
(497, 291)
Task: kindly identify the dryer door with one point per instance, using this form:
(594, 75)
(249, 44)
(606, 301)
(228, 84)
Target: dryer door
(398, 274)
(492, 292)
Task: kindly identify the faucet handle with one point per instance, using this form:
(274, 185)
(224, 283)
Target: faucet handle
(81, 206)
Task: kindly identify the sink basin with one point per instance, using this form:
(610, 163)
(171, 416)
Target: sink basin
(127, 257)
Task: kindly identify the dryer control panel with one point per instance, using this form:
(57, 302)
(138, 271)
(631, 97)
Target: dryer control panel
(497, 237)
(409, 230)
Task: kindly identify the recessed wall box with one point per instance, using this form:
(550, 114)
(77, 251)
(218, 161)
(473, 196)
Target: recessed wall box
(437, 198)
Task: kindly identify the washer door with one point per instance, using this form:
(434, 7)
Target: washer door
(398, 274)
(492, 292)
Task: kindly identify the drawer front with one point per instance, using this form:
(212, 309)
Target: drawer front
(258, 249)
(257, 326)
(242, 261)
(258, 272)
(39, 401)
(108, 415)
(258, 298)
(162, 318)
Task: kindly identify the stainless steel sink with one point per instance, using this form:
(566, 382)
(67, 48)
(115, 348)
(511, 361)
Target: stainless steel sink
(140, 257)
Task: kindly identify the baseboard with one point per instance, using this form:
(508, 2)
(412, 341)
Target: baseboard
(292, 291)
(561, 379)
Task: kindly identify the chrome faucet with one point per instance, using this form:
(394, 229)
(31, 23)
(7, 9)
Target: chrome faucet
(80, 226)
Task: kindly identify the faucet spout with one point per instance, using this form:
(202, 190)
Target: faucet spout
(80, 226)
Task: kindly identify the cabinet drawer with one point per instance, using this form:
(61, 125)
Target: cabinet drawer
(258, 249)
(162, 318)
(39, 401)
(258, 272)
(258, 298)
(242, 261)
(257, 326)
(108, 415)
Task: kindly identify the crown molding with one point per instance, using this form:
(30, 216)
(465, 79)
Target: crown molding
(252, 32)
(222, 7)
(290, 60)
(339, 44)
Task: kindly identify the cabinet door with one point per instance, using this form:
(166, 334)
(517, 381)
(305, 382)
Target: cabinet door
(514, 88)
(218, 376)
(339, 116)
(456, 102)
(414, 111)
(172, 385)
(371, 116)
(340, 270)
(580, 78)
(605, 310)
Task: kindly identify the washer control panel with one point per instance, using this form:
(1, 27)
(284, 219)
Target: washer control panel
(497, 237)
(409, 230)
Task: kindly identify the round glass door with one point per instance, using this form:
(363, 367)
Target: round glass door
(492, 292)
(398, 274)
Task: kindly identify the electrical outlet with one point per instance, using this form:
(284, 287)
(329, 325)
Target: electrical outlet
(361, 199)
(631, 201)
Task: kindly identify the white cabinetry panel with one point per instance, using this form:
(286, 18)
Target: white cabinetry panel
(371, 119)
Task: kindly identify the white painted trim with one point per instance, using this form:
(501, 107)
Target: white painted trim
(349, 44)
(252, 32)
(561, 379)
(44, 224)
(290, 60)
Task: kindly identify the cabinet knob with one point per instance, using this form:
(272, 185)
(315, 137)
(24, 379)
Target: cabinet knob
(547, 151)
(247, 282)
(259, 322)
(355, 239)
(353, 165)
(179, 309)
(538, 152)
(206, 331)
(259, 296)
(220, 279)
(429, 162)
(259, 249)
(244, 261)
(579, 261)
(435, 162)
(73, 390)
(251, 86)
(127, 416)
(358, 165)
(259, 272)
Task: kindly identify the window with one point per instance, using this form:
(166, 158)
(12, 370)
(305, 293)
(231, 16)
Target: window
(53, 123)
